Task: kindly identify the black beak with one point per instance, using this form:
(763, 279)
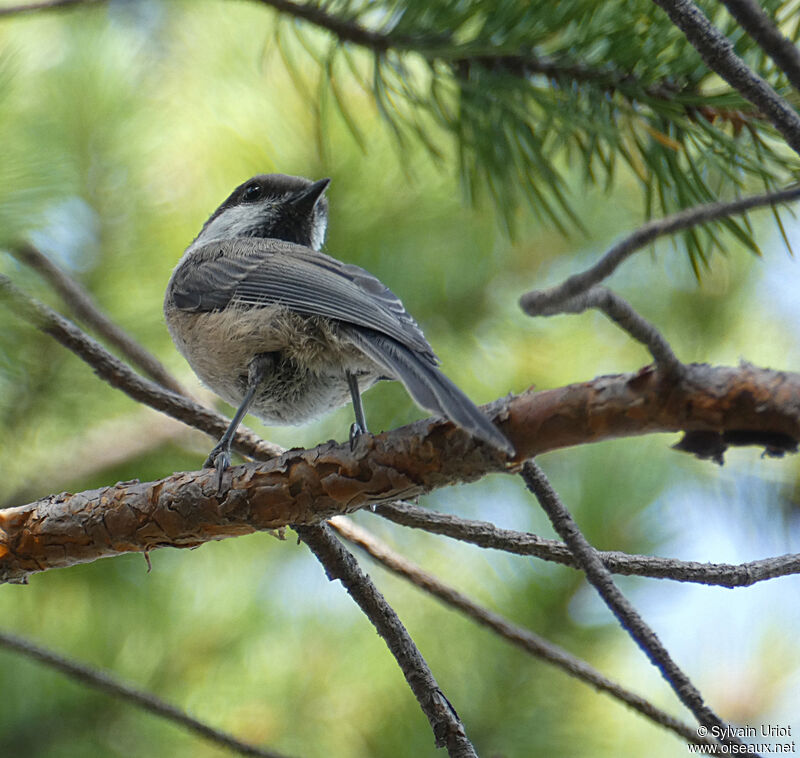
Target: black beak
(304, 201)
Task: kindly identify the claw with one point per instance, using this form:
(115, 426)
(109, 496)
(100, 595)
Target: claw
(355, 432)
(220, 459)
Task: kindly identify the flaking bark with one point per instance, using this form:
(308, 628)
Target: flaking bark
(753, 405)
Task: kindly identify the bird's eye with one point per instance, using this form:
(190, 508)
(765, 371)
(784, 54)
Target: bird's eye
(252, 193)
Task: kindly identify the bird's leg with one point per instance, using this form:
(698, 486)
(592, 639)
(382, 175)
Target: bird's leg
(360, 425)
(220, 456)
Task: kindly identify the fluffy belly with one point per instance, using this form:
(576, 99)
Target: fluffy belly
(310, 359)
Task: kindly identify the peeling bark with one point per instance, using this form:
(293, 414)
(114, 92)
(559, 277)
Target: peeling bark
(743, 405)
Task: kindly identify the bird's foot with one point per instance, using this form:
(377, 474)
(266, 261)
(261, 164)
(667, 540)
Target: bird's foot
(355, 432)
(220, 459)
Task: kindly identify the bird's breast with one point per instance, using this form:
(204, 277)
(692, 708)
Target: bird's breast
(311, 358)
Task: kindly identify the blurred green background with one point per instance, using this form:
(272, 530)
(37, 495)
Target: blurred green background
(122, 128)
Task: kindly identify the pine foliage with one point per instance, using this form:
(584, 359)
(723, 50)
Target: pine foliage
(525, 90)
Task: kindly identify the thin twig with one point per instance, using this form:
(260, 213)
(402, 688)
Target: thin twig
(718, 53)
(340, 564)
(516, 635)
(765, 32)
(623, 314)
(122, 377)
(600, 577)
(46, 5)
(104, 682)
(542, 302)
(487, 535)
(81, 304)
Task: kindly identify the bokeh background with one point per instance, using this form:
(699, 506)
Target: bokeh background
(122, 127)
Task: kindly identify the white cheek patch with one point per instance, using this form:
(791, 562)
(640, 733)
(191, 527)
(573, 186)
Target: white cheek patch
(318, 228)
(237, 221)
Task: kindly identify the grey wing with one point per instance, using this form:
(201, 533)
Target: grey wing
(261, 272)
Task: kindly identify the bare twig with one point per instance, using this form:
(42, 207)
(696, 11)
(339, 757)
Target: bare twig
(120, 376)
(765, 32)
(623, 314)
(516, 635)
(340, 564)
(104, 682)
(600, 577)
(46, 5)
(487, 535)
(718, 53)
(545, 302)
(81, 304)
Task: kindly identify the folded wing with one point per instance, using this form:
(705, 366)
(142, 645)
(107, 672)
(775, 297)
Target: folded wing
(266, 271)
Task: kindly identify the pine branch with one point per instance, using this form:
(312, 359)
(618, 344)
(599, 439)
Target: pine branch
(606, 77)
(718, 54)
(523, 638)
(81, 304)
(340, 564)
(439, 48)
(765, 32)
(513, 100)
(487, 535)
(524, 86)
(549, 301)
(104, 682)
(599, 576)
(735, 406)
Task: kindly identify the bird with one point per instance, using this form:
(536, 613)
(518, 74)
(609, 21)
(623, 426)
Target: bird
(280, 329)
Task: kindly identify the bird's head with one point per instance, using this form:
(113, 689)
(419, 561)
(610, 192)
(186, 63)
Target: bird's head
(274, 206)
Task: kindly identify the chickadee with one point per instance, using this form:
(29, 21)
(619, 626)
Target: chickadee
(279, 329)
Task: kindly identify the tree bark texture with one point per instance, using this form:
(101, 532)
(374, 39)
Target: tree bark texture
(714, 406)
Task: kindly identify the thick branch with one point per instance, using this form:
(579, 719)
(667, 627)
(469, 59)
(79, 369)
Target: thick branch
(599, 576)
(546, 302)
(717, 52)
(81, 304)
(523, 638)
(487, 535)
(744, 405)
(104, 682)
(340, 564)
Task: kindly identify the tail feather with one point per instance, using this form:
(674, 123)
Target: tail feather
(428, 386)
